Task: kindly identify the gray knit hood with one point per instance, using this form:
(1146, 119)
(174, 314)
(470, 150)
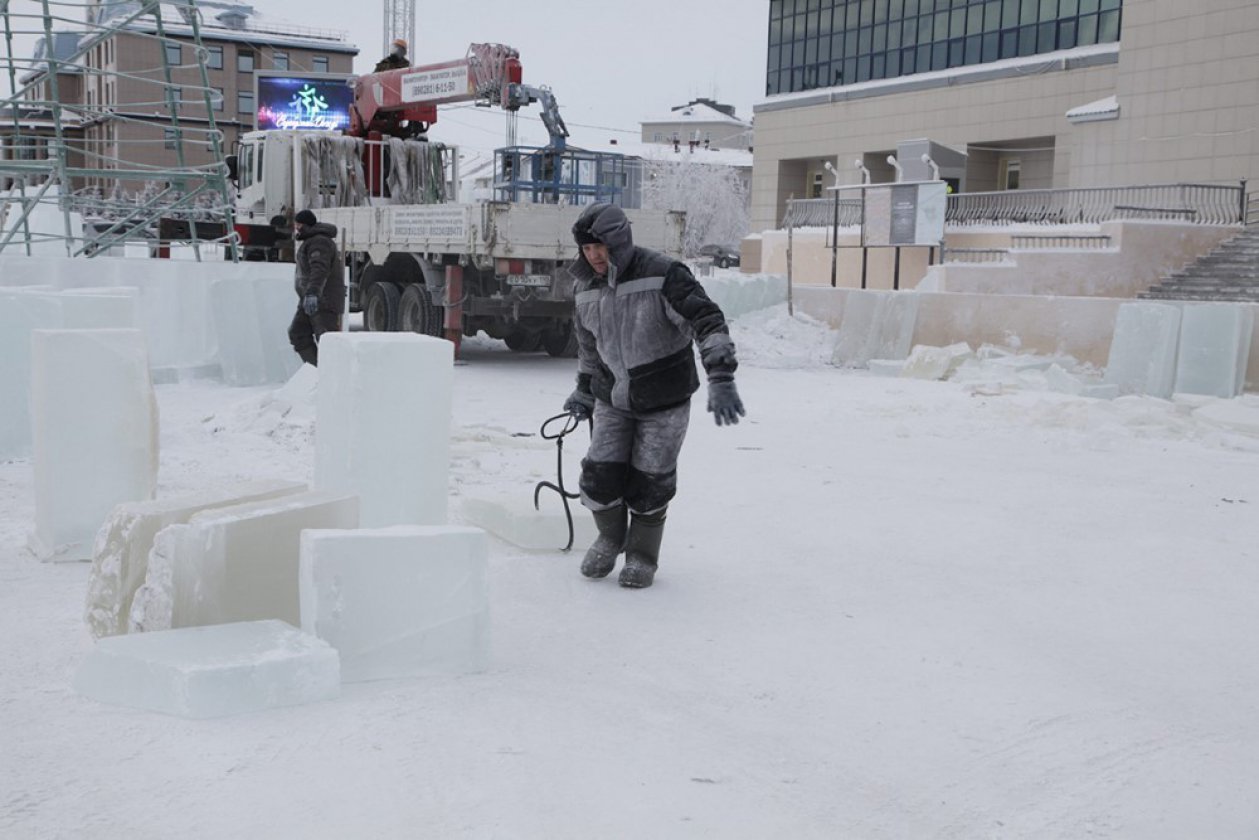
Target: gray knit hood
(606, 224)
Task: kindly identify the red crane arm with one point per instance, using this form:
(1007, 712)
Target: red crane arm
(383, 100)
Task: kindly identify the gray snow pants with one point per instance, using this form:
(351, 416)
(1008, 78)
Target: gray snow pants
(633, 457)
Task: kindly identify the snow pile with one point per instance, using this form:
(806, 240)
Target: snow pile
(286, 414)
(773, 339)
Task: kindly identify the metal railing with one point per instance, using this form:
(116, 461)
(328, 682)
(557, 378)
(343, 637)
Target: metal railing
(820, 212)
(976, 255)
(1207, 204)
(1043, 242)
(1252, 210)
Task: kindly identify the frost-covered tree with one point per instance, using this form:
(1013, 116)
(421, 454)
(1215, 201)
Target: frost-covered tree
(714, 197)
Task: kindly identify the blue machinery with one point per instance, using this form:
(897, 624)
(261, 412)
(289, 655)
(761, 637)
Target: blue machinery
(547, 175)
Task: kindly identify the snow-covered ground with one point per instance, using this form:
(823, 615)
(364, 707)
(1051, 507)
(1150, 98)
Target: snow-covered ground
(886, 609)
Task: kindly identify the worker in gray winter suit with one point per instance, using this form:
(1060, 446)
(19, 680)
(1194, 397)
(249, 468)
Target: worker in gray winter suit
(638, 314)
(320, 283)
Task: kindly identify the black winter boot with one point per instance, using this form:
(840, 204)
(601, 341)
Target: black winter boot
(642, 549)
(600, 559)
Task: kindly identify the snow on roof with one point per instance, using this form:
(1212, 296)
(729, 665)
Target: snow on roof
(234, 22)
(1102, 109)
(663, 152)
(697, 112)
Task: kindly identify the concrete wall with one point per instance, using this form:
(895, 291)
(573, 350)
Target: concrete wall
(811, 260)
(1081, 327)
(1142, 254)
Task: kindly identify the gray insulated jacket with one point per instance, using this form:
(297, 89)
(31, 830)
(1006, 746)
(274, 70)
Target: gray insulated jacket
(320, 270)
(635, 327)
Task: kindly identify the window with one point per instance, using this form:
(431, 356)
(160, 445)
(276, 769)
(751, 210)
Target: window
(245, 102)
(214, 58)
(1010, 170)
(245, 166)
(174, 55)
(816, 43)
(245, 61)
(280, 60)
(171, 137)
(216, 98)
(319, 64)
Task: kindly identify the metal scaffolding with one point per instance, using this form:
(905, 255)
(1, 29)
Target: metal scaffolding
(72, 145)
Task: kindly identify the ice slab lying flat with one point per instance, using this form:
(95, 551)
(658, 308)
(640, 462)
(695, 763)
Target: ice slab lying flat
(1143, 352)
(252, 310)
(120, 556)
(513, 518)
(206, 672)
(382, 428)
(235, 563)
(94, 418)
(398, 602)
(1214, 348)
(935, 362)
(876, 325)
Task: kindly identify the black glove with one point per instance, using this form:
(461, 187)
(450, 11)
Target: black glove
(724, 402)
(580, 404)
(310, 304)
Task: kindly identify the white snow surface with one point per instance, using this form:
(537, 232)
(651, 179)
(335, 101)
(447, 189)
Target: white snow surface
(886, 608)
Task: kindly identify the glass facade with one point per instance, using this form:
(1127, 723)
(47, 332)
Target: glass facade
(825, 43)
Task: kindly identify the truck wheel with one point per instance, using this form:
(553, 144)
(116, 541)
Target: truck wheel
(380, 307)
(523, 341)
(561, 342)
(418, 314)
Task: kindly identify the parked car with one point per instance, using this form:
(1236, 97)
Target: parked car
(722, 255)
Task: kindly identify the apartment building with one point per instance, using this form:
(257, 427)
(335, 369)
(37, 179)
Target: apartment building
(124, 97)
(1027, 93)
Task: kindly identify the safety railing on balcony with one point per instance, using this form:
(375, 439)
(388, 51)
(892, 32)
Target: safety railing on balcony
(1206, 204)
(820, 212)
(1252, 209)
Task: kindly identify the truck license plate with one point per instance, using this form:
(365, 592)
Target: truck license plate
(543, 280)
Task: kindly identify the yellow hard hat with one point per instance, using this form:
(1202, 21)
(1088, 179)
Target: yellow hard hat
(399, 42)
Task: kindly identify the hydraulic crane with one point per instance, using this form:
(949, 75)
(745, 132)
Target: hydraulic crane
(403, 103)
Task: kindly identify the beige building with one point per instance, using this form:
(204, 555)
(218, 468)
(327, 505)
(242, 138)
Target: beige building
(701, 123)
(1089, 93)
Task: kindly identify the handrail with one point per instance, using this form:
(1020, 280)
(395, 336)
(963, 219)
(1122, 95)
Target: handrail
(1203, 204)
(1209, 204)
(820, 212)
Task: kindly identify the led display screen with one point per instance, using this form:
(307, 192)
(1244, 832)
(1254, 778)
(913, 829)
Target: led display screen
(304, 102)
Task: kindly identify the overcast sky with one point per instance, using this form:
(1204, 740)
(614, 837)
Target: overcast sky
(611, 64)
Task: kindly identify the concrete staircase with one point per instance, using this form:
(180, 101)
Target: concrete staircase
(1229, 273)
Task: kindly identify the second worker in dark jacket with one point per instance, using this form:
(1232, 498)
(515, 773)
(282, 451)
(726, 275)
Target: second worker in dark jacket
(320, 283)
(638, 315)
